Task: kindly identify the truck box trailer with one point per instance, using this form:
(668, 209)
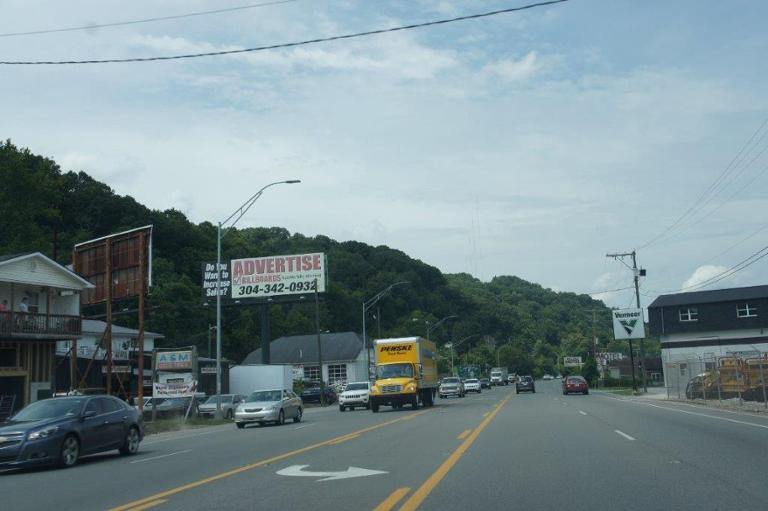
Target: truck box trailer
(406, 373)
(499, 376)
(244, 379)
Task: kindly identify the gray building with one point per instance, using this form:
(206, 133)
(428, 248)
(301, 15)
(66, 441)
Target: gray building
(344, 358)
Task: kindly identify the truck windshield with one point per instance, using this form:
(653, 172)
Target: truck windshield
(394, 371)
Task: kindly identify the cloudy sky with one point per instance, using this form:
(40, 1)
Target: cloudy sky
(527, 143)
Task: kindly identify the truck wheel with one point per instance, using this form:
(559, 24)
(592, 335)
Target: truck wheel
(375, 407)
(415, 403)
(342, 409)
(368, 405)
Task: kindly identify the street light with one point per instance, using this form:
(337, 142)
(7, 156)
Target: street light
(367, 304)
(432, 327)
(452, 345)
(239, 212)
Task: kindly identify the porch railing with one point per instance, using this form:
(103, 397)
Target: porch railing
(22, 324)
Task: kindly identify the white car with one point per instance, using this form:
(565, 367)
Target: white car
(547, 377)
(355, 394)
(472, 385)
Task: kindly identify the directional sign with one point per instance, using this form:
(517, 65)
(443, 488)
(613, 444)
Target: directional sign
(572, 362)
(628, 324)
(298, 471)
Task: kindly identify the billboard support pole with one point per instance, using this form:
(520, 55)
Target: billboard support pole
(140, 379)
(218, 323)
(108, 330)
(266, 356)
(154, 377)
(319, 345)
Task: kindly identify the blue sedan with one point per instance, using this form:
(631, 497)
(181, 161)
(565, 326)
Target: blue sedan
(61, 430)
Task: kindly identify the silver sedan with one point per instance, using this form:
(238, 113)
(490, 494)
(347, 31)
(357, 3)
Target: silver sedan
(264, 406)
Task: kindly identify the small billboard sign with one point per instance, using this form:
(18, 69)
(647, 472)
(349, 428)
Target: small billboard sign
(210, 281)
(572, 362)
(174, 389)
(174, 360)
(628, 324)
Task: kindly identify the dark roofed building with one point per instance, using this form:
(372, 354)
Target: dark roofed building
(697, 329)
(344, 358)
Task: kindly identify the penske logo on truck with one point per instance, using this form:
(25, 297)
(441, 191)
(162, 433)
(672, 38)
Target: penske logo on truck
(396, 348)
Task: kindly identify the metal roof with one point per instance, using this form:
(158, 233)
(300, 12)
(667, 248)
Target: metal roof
(93, 326)
(8, 257)
(302, 349)
(733, 294)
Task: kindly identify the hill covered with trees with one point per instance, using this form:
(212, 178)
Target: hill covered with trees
(518, 323)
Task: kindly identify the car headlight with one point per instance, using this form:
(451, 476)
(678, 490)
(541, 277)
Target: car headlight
(43, 433)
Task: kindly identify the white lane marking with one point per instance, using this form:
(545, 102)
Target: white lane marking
(625, 435)
(161, 456)
(583, 413)
(303, 426)
(763, 426)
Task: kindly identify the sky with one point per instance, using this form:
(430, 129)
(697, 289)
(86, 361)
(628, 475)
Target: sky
(529, 143)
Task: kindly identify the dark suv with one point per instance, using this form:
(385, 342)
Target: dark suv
(525, 384)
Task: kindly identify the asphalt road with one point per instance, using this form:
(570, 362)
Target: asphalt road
(496, 450)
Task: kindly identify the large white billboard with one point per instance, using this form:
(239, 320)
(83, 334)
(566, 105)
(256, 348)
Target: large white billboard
(262, 277)
(628, 324)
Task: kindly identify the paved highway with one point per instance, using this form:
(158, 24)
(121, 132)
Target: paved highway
(496, 450)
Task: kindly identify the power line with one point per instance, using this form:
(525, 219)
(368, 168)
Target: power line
(146, 20)
(711, 190)
(283, 45)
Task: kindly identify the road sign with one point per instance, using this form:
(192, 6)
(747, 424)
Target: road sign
(628, 324)
(572, 362)
(298, 471)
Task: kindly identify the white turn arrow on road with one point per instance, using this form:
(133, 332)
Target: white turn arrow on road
(298, 471)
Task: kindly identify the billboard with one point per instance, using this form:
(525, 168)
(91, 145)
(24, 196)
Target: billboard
(125, 264)
(210, 279)
(262, 277)
(628, 324)
(174, 389)
(174, 360)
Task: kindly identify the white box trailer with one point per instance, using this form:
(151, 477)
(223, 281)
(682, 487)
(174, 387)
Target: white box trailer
(244, 379)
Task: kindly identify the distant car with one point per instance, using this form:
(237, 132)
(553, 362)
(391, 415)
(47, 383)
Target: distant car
(525, 384)
(355, 394)
(547, 377)
(575, 384)
(60, 430)
(228, 404)
(512, 378)
(472, 385)
(451, 386)
(485, 383)
(264, 406)
(311, 393)
(559, 376)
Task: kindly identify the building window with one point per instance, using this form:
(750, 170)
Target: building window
(745, 310)
(312, 373)
(689, 314)
(683, 369)
(337, 374)
(709, 366)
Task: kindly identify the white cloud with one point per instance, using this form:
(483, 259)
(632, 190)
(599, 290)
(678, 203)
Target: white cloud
(702, 274)
(512, 70)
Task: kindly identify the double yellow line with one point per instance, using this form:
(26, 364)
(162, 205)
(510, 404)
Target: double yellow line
(469, 437)
(159, 498)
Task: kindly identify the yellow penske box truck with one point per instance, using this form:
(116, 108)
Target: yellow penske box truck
(406, 373)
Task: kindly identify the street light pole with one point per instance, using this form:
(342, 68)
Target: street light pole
(239, 212)
(432, 327)
(367, 304)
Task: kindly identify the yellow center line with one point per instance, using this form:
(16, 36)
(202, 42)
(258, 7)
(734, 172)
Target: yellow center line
(486, 414)
(425, 489)
(464, 434)
(251, 466)
(148, 505)
(392, 500)
(344, 439)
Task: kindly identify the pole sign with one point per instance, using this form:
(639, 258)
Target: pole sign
(174, 360)
(572, 362)
(262, 277)
(210, 280)
(628, 324)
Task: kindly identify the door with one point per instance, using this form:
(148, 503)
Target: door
(11, 395)
(115, 419)
(289, 404)
(92, 428)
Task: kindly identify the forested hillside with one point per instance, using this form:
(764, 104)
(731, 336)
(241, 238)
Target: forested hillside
(43, 208)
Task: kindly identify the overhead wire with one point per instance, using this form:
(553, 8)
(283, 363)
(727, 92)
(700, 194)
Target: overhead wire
(146, 20)
(712, 190)
(284, 45)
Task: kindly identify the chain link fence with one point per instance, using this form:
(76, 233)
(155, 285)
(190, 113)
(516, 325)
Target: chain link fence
(727, 380)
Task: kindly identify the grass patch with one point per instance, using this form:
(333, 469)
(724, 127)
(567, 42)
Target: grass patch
(617, 390)
(178, 424)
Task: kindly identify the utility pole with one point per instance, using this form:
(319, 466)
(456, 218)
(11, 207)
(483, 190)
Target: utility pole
(637, 273)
